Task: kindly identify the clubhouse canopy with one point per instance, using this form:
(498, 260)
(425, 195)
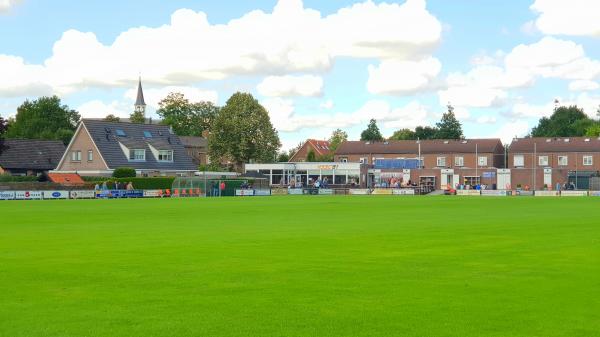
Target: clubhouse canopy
(284, 173)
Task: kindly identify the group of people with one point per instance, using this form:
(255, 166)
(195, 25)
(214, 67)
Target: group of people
(567, 186)
(394, 182)
(117, 186)
(217, 189)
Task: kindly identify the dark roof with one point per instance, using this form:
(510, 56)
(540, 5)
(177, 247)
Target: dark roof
(104, 135)
(555, 144)
(427, 146)
(191, 141)
(31, 154)
(140, 94)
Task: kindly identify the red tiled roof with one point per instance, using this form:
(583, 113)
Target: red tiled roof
(66, 178)
(321, 147)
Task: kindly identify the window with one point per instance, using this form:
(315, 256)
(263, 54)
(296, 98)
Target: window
(344, 160)
(137, 154)
(459, 161)
(563, 160)
(483, 161)
(363, 161)
(165, 155)
(588, 160)
(76, 156)
(120, 133)
(518, 160)
(543, 161)
(441, 161)
(147, 134)
(90, 155)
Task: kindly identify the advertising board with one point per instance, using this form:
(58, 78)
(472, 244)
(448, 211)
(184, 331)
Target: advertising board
(295, 191)
(279, 191)
(359, 191)
(573, 193)
(546, 193)
(407, 191)
(382, 191)
(55, 194)
(468, 192)
(325, 191)
(262, 193)
(7, 195)
(152, 193)
(82, 194)
(244, 193)
(494, 193)
(28, 195)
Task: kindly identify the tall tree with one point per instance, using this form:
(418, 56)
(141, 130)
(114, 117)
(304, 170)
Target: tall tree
(137, 117)
(3, 127)
(337, 137)
(564, 122)
(186, 118)
(242, 132)
(44, 118)
(311, 157)
(404, 134)
(425, 132)
(112, 118)
(449, 127)
(283, 157)
(371, 133)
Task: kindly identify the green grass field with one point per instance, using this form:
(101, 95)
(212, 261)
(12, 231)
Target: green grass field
(301, 266)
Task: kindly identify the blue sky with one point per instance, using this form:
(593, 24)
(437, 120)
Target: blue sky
(316, 65)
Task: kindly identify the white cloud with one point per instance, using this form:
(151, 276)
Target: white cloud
(327, 105)
(573, 17)
(189, 49)
(99, 109)
(583, 85)
(486, 120)
(473, 96)
(153, 95)
(589, 104)
(6, 5)
(281, 112)
(290, 86)
(510, 130)
(403, 77)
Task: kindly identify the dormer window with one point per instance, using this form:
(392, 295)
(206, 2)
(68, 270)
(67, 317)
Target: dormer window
(147, 134)
(120, 133)
(165, 155)
(137, 154)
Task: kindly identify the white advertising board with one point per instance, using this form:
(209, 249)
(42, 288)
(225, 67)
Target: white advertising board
(28, 195)
(594, 193)
(262, 192)
(573, 193)
(244, 193)
(546, 193)
(359, 191)
(407, 191)
(295, 191)
(152, 193)
(7, 195)
(55, 194)
(468, 192)
(325, 191)
(494, 193)
(83, 194)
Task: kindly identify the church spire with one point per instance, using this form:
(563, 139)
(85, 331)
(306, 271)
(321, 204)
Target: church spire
(140, 104)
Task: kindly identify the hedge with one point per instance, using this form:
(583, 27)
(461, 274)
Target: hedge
(140, 183)
(124, 172)
(7, 178)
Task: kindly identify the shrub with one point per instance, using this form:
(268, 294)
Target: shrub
(7, 178)
(124, 172)
(139, 183)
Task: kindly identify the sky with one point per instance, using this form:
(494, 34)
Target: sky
(315, 65)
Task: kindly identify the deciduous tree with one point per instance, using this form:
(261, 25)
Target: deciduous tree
(3, 127)
(187, 118)
(564, 122)
(337, 137)
(112, 118)
(404, 134)
(371, 133)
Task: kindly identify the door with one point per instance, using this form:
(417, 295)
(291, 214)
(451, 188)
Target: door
(455, 180)
(503, 182)
(548, 178)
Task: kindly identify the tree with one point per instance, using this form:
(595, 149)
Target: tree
(310, 156)
(593, 130)
(242, 132)
(404, 134)
(44, 118)
(371, 133)
(112, 118)
(425, 132)
(137, 117)
(337, 137)
(283, 157)
(564, 122)
(449, 127)
(3, 127)
(186, 119)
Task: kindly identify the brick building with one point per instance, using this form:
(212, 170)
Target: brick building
(319, 147)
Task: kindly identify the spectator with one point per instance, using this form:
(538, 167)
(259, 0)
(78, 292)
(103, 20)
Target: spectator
(104, 186)
(96, 187)
(130, 186)
(222, 188)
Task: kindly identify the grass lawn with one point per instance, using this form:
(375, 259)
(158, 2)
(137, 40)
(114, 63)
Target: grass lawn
(301, 266)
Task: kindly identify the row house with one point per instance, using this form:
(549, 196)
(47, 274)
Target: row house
(547, 163)
(321, 148)
(441, 163)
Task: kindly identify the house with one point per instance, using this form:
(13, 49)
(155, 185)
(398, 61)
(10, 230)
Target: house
(547, 161)
(441, 163)
(98, 147)
(319, 147)
(30, 156)
(196, 148)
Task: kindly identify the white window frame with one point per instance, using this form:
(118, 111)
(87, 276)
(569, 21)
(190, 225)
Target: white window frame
(520, 162)
(90, 155)
(459, 161)
(364, 160)
(76, 155)
(543, 161)
(167, 153)
(588, 160)
(563, 160)
(135, 155)
(482, 161)
(441, 162)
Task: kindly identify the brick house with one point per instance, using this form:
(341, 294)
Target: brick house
(443, 162)
(196, 148)
(540, 163)
(319, 147)
(98, 147)
(30, 156)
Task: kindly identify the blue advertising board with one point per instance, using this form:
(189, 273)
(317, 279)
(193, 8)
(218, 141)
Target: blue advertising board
(107, 194)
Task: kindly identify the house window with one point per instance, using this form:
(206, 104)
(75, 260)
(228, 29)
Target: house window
(519, 160)
(76, 156)
(165, 155)
(441, 161)
(543, 161)
(90, 155)
(483, 161)
(588, 160)
(120, 133)
(147, 134)
(137, 154)
(459, 161)
(563, 160)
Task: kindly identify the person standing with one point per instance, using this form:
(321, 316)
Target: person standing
(221, 188)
